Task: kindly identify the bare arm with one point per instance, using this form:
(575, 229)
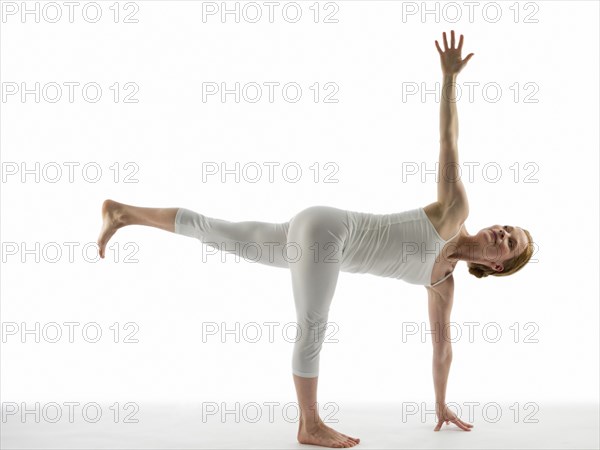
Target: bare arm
(451, 190)
(440, 307)
(440, 300)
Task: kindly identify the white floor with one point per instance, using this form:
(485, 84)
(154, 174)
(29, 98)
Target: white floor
(378, 426)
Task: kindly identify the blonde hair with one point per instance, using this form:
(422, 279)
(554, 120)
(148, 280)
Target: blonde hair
(511, 266)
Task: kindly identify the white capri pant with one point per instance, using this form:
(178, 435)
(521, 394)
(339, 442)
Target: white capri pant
(311, 245)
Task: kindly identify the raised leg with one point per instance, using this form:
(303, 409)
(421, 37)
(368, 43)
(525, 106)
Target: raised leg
(261, 242)
(116, 215)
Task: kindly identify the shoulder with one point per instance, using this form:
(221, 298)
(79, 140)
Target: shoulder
(447, 219)
(457, 210)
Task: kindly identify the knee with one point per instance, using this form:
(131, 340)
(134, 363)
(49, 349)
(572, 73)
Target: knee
(310, 333)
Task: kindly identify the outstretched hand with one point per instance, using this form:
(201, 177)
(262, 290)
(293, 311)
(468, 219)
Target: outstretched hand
(444, 414)
(452, 62)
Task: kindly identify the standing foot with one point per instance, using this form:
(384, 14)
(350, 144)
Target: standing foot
(113, 218)
(325, 436)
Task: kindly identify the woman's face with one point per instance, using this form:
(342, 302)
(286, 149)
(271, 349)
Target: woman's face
(500, 243)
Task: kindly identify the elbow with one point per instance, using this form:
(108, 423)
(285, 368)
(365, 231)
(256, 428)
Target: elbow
(448, 139)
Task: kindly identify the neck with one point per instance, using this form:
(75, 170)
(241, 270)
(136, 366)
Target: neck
(467, 249)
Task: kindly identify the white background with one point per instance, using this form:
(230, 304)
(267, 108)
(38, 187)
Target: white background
(372, 53)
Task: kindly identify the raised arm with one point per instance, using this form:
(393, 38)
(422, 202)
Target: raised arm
(451, 191)
(440, 305)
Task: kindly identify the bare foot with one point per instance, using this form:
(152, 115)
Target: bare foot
(112, 220)
(325, 437)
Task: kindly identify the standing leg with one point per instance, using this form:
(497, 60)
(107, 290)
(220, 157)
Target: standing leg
(319, 234)
(314, 277)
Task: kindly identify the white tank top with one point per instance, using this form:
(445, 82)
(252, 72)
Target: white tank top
(402, 245)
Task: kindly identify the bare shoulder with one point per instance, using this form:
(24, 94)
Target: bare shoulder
(447, 219)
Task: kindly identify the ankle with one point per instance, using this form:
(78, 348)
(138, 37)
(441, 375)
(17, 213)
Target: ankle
(122, 215)
(310, 421)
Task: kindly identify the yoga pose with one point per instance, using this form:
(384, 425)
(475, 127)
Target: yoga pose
(420, 246)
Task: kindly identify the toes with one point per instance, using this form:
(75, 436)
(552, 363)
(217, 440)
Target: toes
(341, 442)
(348, 443)
(351, 438)
(101, 250)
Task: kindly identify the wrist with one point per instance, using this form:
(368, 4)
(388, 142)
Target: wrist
(449, 88)
(450, 76)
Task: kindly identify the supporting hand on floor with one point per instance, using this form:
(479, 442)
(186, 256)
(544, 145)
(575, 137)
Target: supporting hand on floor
(444, 414)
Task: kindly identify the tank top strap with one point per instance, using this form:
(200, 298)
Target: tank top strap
(457, 233)
(439, 281)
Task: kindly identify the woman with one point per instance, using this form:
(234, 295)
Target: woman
(420, 246)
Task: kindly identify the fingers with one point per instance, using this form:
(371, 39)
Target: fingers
(452, 42)
(460, 425)
(465, 423)
(469, 56)
(438, 48)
